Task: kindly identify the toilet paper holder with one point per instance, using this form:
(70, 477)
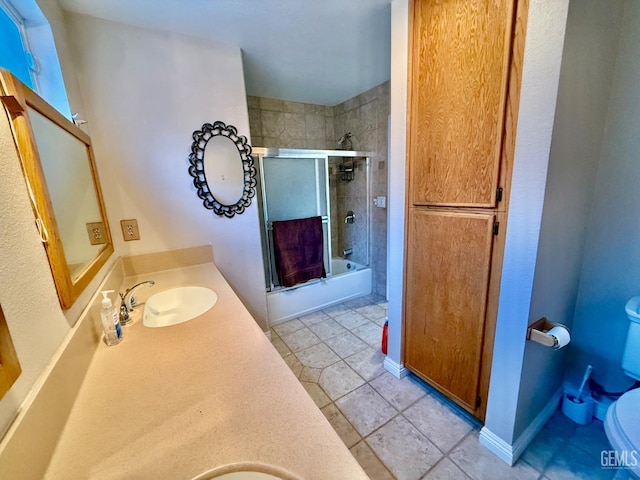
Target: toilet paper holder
(538, 332)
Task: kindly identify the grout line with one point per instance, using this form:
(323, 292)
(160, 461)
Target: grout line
(456, 446)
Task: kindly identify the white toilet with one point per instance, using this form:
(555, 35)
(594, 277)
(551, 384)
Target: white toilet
(622, 423)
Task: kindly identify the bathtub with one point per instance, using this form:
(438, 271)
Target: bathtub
(347, 280)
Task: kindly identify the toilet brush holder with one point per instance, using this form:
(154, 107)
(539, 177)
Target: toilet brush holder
(578, 410)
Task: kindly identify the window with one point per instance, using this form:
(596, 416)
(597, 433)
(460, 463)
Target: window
(14, 54)
(28, 50)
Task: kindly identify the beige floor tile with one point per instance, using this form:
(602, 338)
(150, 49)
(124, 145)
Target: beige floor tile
(480, 464)
(313, 318)
(346, 344)
(591, 438)
(372, 312)
(445, 470)
(366, 409)
(316, 394)
(370, 462)
(370, 333)
(404, 450)
(543, 448)
(288, 327)
(351, 319)
(327, 328)
(335, 310)
(399, 392)
(339, 379)
(294, 364)
(300, 339)
(368, 363)
(439, 421)
(341, 425)
(310, 374)
(358, 302)
(573, 463)
(317, 356)
(561, 425)
(280, 346)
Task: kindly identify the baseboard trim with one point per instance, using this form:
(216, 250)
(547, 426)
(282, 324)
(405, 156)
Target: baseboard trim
(396, 369)
(268, 334)
(510, 453)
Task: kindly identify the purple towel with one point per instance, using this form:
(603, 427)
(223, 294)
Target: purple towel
(298, 247)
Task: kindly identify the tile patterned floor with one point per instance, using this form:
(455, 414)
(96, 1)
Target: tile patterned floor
(403, 429)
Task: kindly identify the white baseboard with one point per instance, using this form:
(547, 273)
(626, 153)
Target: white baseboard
(396, 369)
(510, 453)
(268, 334)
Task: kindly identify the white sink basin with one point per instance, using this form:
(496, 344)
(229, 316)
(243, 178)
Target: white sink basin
(245, 476)
(177, 305)
(246, 471)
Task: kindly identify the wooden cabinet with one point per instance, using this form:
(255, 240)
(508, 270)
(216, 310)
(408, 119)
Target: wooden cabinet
(465, 63)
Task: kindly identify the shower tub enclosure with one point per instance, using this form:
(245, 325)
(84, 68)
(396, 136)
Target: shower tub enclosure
(332, 184)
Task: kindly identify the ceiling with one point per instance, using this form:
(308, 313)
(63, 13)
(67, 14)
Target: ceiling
(314, 51)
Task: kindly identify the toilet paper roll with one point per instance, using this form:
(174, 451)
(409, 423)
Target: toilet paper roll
(561, 334)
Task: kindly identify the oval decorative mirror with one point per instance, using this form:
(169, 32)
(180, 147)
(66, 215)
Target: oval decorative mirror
(222, 169)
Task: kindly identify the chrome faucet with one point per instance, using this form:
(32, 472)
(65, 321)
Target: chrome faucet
(128, 302)
(350, 218)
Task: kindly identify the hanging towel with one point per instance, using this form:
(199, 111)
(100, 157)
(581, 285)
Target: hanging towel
(298, 248)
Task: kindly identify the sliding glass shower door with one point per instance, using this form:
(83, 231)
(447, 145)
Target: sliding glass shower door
(294, 187)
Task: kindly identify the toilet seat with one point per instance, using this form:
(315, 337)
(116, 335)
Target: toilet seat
(622, 426)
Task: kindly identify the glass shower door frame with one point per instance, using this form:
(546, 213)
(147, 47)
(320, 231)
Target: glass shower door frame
(322, 158)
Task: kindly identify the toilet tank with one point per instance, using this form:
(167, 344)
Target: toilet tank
(631, 353)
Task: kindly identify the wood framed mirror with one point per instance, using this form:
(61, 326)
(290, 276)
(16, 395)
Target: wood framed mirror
(62, 180)
(9, 365)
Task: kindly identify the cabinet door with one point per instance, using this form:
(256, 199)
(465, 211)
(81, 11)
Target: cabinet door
(459, 79)
(447, 278)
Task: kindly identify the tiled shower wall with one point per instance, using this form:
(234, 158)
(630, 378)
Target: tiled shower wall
(285, 124)
(366, 116)
(349, 196)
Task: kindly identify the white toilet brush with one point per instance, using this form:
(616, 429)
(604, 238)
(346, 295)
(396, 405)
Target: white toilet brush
(575, 408)
(587, 374)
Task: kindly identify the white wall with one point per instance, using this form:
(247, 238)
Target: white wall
(588, 63)
(541, 71)
(27, 293)
(396, 181)
(610, 273)
(146, 92)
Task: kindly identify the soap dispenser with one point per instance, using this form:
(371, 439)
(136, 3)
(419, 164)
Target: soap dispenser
(110, 321)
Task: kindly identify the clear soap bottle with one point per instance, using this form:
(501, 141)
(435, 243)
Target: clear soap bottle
(110, 321)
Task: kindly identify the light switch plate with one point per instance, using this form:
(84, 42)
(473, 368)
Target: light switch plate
(130, 230)
(97, 235)
(380, 201)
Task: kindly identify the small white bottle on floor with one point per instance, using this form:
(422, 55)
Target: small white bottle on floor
(110, 321)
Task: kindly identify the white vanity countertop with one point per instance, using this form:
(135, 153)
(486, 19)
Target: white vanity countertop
(174, 402)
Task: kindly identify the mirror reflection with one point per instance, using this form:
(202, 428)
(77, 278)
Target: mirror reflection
(61, 178)
(223, 168)
(70, 183)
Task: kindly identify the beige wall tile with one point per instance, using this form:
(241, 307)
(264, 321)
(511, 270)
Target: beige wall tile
(272, 123)
(293, 107)
(315, 126)
(271, 104)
